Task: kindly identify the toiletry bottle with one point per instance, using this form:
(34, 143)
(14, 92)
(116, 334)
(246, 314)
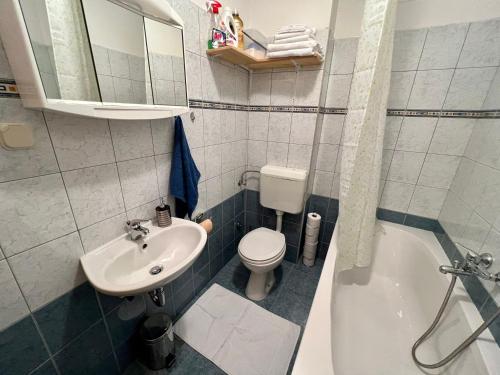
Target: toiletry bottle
(213, 8)
(163, 215)
(239, 29)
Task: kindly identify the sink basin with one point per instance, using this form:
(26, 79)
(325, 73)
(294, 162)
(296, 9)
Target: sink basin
(123, 267)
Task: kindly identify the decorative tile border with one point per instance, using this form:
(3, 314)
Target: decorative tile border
(196, 103)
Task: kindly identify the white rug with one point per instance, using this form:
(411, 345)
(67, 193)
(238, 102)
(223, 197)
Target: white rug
(237, 335)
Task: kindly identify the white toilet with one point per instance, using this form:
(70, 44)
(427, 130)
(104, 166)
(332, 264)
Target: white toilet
(263, 249)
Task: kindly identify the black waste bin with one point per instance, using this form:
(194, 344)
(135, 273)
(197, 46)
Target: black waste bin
(157, 350)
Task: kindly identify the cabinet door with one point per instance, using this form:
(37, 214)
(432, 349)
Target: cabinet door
(60, 44)
(119, 51)
(166, 59)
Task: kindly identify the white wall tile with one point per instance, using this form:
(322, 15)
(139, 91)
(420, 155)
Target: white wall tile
(408, 46)
(396, 196)
(228, 155)
(492, 100)
(94, 193)
(482, 45)
(209, 70)
(338, 90)
(258, 125)
(225, 81)
(48, 271)
(211, 126)
(335, 193)
(146, 211)
(327, 157)
(438, 170)
(401, 84)
(198, 155)
(427, 201)
(331, 130)
(14, 307)
(469, 88)
(483, 144)
(386, 163)
(308, 87)
(118, 62)
(102, 232)
(454, 216)
(139, 181)
(240, 153)
(80, 142)
(228, 125)
(442, 46)
(344, 56)
(282, 88)
(193, 75)
(429, 89)
(303, 128)
(279, 127)
(487, 188)
(391, 132)
(476, 231)
(163, 135)
(131, 139)
(241, 127)
(34, 161)
(299, 156)
(33, 211)
(228, 185)
(277, 154)
(405, 166)
(323, 182)
(260, 89)
(163, 166)
(213, 161)
(451, 136)
(214, 191)
(257, 151)
(416, 134)
(241, 87)
(188, 11)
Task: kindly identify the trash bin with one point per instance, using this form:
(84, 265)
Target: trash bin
(156, 335)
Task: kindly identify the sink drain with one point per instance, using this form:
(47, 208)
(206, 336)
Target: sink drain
(156, 270)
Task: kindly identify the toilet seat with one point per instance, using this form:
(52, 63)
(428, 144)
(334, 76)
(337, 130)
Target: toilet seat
(262, 245)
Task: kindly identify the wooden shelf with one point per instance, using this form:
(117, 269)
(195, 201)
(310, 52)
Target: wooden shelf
(239, 57)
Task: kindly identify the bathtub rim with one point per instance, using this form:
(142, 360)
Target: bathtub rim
(315, 350)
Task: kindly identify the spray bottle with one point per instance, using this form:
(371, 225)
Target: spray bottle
(213, 8)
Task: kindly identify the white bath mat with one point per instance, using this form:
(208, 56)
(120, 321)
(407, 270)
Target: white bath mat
(237, 335)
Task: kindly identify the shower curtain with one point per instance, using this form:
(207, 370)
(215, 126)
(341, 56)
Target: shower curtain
(363, 136)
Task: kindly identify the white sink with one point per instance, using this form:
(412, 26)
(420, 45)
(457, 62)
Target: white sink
(122, 266)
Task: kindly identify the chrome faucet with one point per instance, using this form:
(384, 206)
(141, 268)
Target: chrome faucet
(473, 265)
(136, 230)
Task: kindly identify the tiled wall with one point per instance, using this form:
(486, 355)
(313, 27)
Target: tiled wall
(442, 68)
(74, 190)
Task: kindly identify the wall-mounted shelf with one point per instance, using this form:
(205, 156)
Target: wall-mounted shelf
(239, 57)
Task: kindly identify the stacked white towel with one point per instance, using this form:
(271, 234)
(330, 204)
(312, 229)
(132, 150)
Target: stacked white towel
(294, 40)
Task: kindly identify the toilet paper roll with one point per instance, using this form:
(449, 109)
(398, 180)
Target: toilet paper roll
(310, 248)
(313, 219)
(207, 225)
(311, 238)
(311, 230)
(308, 262)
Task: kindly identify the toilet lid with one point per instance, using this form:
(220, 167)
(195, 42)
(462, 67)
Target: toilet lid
(261, 244)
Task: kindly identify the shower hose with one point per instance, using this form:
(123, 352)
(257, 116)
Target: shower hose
(462, 346)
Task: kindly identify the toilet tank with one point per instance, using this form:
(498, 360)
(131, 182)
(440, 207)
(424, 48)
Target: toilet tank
(283, 188)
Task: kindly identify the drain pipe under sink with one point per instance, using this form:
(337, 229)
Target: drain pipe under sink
(279, 220)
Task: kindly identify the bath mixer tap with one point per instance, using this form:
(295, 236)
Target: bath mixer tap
(473, 265)
(136, 230)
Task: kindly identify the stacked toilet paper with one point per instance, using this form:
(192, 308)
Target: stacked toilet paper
(311, 238)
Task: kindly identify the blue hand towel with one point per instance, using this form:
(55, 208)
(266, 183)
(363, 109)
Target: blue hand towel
(184, 174)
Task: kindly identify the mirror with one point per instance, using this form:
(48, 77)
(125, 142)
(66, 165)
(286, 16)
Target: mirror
(59, 41)
(102, 51)
(119, 48)
(166, 58)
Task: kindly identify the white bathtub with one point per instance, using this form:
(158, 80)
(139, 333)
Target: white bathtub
(366, 321)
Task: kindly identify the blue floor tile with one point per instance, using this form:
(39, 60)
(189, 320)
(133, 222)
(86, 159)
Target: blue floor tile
(21, 348)
(68, 316)
(46, 369)
(88, 354)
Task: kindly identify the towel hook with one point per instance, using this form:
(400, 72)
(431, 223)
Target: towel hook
(192, 116)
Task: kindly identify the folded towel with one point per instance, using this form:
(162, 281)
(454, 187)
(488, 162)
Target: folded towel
(300, 38)
(294, 52)
(292, 28)
(289, 46)
(184, 174)
(310, 32)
